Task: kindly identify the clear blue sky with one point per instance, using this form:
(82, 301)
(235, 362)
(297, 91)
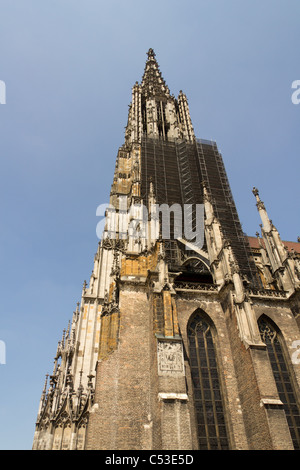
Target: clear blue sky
(69, 67)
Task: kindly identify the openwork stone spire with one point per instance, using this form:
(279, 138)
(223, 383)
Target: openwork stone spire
(153, 83)
(155, 113)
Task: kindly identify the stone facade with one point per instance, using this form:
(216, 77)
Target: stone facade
(176, 346)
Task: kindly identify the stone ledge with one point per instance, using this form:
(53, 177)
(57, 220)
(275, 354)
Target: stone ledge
(173, 396)
(271, 402)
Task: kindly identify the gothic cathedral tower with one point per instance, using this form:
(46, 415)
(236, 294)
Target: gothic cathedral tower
(186, 336)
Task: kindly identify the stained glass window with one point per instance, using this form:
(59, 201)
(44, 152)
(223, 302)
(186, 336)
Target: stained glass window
(209, 408)
(283, 376)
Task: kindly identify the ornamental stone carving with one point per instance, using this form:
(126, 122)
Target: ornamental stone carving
(170, 358)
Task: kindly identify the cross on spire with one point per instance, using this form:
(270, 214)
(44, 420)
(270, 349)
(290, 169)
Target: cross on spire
(151, 53)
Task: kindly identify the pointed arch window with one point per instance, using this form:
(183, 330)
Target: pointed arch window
(209, 407)
(283, 376)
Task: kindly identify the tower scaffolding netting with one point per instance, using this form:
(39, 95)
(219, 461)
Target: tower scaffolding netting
(177, 170)
(216, 181)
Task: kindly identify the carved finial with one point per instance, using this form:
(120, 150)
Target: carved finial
(46, 383)
(151, 187)
(259, 203)
(80, 386)
(90, 377)
(105, 301)
(80, 379)
(257, 234)
(151, 54)
(68, 329)
(63, 338)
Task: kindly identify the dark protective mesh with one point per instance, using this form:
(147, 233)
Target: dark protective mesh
(215, 178)
(177, 170)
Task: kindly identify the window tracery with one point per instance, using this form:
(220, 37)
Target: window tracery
(212, 432)
(283, 376)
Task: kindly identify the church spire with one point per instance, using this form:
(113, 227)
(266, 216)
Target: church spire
(282, 264)
(153, 83)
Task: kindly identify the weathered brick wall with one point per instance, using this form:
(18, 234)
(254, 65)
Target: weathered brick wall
(266, 426)
(122, 416)
(288, 323)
